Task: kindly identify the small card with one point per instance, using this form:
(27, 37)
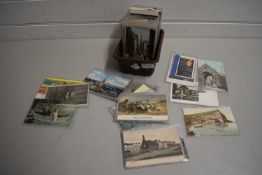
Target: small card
(191, 95)
(153, 146)
(142, 108)
(210, 121)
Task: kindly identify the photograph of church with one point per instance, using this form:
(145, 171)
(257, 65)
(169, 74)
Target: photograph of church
(211, 74)
(148, 147)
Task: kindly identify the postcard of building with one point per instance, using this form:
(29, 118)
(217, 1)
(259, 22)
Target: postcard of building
(142, 107)
(146, 147)
(210, 121)
(192, 95)
(50, 113)
(182, 70)
(107, 84)
(75, 94)
(211, 75)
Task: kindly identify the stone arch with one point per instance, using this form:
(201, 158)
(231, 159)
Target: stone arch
(210, 79)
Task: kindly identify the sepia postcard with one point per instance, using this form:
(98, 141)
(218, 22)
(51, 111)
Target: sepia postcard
(107, 84)
(76, 94)
(191, 95)
(182, 70)
(211, 75)
(142, 108)
(146, 147)
(210, 121)
(50, 113)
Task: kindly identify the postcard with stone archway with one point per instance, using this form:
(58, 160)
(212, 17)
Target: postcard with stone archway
(152, 146)
(211, 75)
(210, 121)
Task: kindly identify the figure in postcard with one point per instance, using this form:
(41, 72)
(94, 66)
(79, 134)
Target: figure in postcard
(54, 113)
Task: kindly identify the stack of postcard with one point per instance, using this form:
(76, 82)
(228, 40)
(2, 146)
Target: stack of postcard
(147, 138)
(196, 81)
(56, 102)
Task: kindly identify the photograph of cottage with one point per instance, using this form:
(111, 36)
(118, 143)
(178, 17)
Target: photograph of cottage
(183, 92)
(211, 74)
(152, 146)
(106, 83)
(139, 42)
(210, 121)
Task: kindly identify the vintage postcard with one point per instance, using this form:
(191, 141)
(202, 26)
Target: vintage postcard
(59, 81)
(142, 108)
(76, 94)
(107, 84)
(50, 113)
(139, 42)
(41, 93)
(182, 70)
(210, 121)
(153, 146)
(211, 75)
(191, 95)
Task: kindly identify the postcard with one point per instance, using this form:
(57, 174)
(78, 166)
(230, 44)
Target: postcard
(76, 94)
(192, 95)
(211, 75)
(142, 108)
(41, 93)
(182, 70)
(50, 113)
(107, 84)
(210, 121)
(145, 147)
(59, 81)
(140, 42)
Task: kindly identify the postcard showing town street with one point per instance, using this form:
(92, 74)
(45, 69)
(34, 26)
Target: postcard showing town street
(210, 121)
(107, 84)
(70, 94)
(50, 113)
(143, 107)
(152, 146)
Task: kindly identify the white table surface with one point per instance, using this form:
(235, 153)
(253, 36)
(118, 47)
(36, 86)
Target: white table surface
(93, 145)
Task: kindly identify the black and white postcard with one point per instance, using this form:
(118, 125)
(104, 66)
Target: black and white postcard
(145, 147)
(192, 95)
(142, 108)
